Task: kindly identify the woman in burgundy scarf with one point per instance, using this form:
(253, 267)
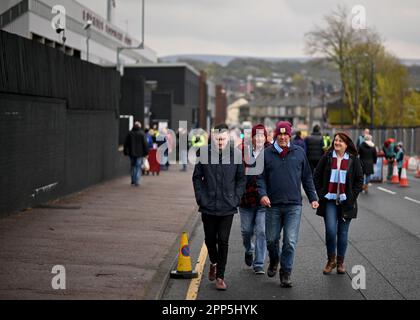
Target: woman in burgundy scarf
(338, 180)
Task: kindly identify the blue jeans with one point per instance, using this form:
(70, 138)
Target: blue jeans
(286, 218)
(136, 170)
(336, 230)
(253, 221)
(366, 178)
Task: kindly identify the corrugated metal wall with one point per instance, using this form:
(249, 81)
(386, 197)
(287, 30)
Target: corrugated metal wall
(59, 123)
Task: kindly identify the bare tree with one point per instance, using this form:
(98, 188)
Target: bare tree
(337, 42)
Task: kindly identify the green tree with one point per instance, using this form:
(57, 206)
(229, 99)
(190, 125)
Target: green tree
(355, 54)
(411, 115)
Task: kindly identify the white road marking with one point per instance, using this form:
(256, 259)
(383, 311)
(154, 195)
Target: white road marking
(386, 190)
(413, 200)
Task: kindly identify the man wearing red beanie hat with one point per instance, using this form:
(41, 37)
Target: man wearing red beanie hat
(286, 168)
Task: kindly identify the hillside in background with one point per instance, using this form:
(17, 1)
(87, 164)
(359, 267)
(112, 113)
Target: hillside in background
(221, 68)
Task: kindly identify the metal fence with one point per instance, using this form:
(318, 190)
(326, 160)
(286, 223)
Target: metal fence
(410, 137)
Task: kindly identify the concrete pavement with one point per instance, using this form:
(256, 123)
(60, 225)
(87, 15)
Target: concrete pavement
(114, 240)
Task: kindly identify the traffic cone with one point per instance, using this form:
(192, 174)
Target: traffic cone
(418, 168)
(395, 179)
(404, 179)
(184, 268)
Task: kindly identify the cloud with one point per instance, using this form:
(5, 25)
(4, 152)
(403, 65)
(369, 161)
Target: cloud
(261, 28)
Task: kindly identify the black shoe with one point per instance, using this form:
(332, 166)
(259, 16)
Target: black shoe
(249, 258)
(272, 269)
(285, 281)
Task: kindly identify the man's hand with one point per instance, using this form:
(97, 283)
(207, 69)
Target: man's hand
(265, 202)
(314, 204)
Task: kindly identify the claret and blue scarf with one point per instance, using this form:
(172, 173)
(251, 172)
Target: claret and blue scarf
(337, 182)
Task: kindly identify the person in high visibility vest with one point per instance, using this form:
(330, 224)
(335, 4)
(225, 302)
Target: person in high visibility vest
(198, 141)
(326, 142)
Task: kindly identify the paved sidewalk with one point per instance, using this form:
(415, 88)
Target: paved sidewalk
(114, 240)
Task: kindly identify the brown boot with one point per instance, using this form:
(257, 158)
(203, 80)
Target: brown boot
(340, 265)
(212, 271)
(331, 264)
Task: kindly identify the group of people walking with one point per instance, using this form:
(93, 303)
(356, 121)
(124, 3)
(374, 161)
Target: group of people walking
(270, 201)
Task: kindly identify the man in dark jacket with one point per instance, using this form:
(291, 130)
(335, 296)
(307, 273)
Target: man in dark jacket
(136, 147)
(279, 186)
(219, 184)
(314, 147)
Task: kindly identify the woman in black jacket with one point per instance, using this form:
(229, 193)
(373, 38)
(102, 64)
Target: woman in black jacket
(338, 180)
(368, 158)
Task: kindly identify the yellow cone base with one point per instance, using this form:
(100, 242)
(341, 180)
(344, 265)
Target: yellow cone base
(184, 274)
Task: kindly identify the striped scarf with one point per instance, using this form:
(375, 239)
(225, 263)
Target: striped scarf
(337, 182)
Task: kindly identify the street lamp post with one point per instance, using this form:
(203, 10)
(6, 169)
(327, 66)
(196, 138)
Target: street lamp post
(323, 111)
(140, 46)
(372, 92)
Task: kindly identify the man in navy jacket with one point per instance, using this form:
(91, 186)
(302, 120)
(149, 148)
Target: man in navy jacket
(286, 168)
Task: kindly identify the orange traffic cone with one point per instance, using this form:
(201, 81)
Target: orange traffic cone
(418, 168)
(395, 179)
(404, 179)
(184, 268)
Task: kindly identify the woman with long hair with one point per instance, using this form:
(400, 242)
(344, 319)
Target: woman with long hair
(338, 180)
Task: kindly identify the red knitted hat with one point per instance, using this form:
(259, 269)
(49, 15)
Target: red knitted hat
(283, 127)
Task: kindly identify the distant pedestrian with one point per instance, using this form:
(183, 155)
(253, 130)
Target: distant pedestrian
(218, 186)
(314, 144)
(338, 180)
(390, 154)
(286, 169)
(252, 214)
(298, 140)
(399, 157)
(149, 137)
(326, 142)
(361, 138)
(368, 158)
(135, 146)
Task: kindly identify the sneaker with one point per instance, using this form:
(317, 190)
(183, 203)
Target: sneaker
(220, 284)
(285, 281)
(249, 258)
(259, 270)
(272, 269)
(212, 272)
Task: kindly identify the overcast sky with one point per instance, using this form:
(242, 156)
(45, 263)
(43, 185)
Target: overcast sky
(262, 28)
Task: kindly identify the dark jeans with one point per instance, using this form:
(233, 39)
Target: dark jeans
(216, 233)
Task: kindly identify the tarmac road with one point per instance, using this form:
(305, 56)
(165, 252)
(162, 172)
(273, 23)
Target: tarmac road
(384, 239)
